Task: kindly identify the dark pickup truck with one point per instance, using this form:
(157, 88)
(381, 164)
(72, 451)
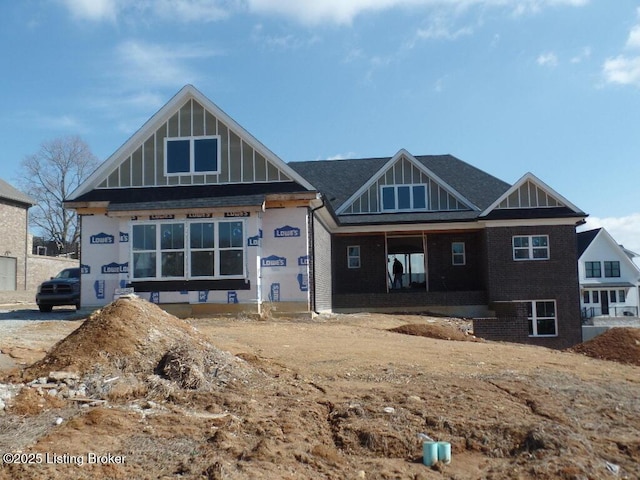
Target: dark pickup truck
(63, 289)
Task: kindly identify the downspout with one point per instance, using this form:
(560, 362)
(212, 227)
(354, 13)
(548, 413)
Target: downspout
(312, 249)
(25, 266)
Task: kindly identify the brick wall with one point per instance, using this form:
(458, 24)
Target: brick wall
(13, 239)
(371, 277)
(427, 301)
(552, 279)
(443, 275)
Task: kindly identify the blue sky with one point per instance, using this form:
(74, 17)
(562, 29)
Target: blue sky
(550, 87)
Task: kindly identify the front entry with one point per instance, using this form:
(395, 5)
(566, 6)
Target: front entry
(409, 253)
(604, 302)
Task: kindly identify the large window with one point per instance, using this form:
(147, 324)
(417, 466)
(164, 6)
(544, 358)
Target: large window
(403, 197)
(592, 269)
(144, 251)
(542, 318)
(531, 247)
(612, 269)
(198, 249)
(172, 250)
(186, 155)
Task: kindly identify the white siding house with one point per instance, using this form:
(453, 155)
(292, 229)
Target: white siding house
(609, 279)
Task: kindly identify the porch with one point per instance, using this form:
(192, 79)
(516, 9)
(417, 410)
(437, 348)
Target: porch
(469, 303)
(591, 314)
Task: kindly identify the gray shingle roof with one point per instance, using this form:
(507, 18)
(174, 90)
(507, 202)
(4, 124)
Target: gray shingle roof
(339, 179)
(8, 192)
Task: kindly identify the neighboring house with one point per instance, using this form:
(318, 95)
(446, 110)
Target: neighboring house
(609, 279)
(196, 214)
(14, 238)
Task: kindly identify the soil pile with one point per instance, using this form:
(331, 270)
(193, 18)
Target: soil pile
(433, 330)
(134, 337)
(618, 344)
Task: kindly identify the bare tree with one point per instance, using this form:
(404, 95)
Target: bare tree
(49, 176)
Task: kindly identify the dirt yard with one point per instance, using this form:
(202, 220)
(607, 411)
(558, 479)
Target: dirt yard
(132, 392)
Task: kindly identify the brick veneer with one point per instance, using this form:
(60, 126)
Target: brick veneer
(552, 279)
(13, 219)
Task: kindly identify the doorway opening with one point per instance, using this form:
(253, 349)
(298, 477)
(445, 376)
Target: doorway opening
(409, 251)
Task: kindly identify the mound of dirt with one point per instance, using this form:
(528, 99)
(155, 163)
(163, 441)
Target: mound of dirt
(434, 330)
(132, 336)
(620, 344)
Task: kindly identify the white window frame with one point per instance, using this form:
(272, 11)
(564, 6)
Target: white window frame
(187, 250)
(411, 208)
(352, 255)
(530, 248)
(192, 159)
(534, 318)
(455, 254)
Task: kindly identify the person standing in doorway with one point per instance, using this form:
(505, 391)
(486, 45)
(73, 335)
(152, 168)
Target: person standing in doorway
(398, 270)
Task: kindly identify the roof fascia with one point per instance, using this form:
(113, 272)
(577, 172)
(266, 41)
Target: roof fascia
(161, 116)
(538, 222)
(539, 183)
(404, 153)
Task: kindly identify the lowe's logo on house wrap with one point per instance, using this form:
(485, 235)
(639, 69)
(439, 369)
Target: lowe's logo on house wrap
(98, 287)
(102, 239)
(255, 240)
(114, 267)
(273, 261)
(85, 269)
(124, 237)
(303, 261)
(286, 231)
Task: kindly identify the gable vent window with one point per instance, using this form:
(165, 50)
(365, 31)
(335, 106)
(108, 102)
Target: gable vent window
(396, 198)
(189, 155)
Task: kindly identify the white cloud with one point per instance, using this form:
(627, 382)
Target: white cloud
(633, 41)
(548, 59)
(344, 11)
(95, 10)
(340, 156)
(625, 69)
(192, 10)
(58, 123)
(285, 41)
(159, 65)
(585, 54)
(440, 29)
(622, 70)
(625, 230)
(181, 10)
(340, 12)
